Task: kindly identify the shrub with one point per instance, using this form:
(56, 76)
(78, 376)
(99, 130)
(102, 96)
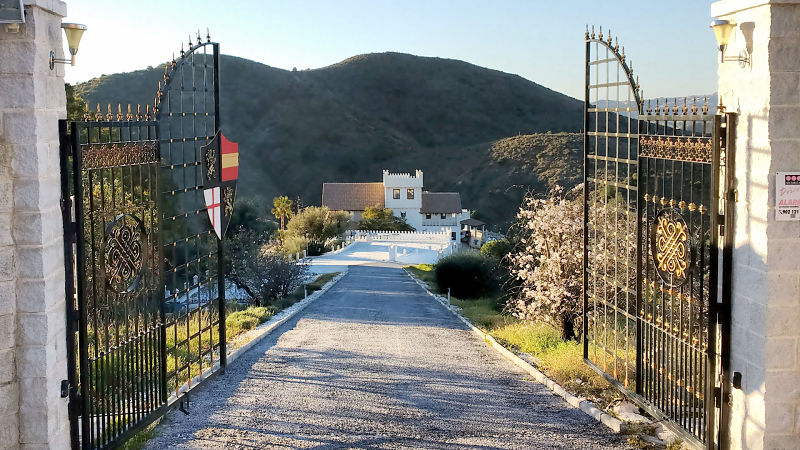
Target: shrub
(318, 223)
(259, 267)
(468, 275)
(382, 219)
(497, 250)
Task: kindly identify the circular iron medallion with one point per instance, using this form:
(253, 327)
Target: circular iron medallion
(124, 253)
(671, 247)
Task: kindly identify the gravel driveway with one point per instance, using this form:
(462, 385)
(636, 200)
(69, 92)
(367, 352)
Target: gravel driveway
(377, 363)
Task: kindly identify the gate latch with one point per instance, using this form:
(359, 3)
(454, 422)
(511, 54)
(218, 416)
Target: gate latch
(64, 388)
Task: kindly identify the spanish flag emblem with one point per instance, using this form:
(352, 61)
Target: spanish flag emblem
(230, 159)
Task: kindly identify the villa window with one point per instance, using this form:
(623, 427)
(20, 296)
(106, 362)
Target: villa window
(403, 215)
(396, 194)
(444, 216)
(427, 216)
(410, 194)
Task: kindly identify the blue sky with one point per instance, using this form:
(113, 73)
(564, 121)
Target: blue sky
(672, 48)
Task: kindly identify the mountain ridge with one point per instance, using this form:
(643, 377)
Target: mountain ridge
(348, 121)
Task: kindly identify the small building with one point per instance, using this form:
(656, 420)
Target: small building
(473, 232)
(402, 192)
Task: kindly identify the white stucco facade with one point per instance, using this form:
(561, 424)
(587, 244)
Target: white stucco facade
(765, 341)
(403, 194)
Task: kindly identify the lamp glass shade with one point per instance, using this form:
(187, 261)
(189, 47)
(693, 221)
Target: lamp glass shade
(722, 31)
(74, 32)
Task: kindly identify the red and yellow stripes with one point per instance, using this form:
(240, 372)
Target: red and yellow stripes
(230, 159)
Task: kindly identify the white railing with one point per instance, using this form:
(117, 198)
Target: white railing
(434, 237)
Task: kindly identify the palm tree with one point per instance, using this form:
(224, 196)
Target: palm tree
(282, 209)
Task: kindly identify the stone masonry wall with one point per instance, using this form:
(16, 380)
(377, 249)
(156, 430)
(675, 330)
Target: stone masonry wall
(766, 290)
(32, 303)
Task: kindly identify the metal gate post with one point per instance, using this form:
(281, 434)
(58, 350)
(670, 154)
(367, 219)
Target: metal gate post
(729, 191)
(223, 347)
(65, 150)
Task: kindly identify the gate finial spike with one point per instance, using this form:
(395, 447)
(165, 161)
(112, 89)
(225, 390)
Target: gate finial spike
(705, 105)
(592, 31)
(208, 35)
(720, 107)
(199, 42)
(190, 42)
(649, 109)
(109, 116)
(181, 49)
(623, 53)
(146, 112)
(694, 105)
(98, 116)
(601, 33)
(616, 44)
(610, 41)
(586, 36)
(675, 105)
(685, 108)
(138, 111)
(129, 116)
(86, 111)
(119, 112)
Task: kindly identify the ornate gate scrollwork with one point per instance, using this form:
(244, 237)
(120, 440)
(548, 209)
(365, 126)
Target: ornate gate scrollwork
(672, 249)
(125, 248)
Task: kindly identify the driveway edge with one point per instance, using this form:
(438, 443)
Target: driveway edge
(258, 334)
(584, 405)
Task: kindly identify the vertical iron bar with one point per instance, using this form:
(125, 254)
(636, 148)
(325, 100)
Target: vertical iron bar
(586, 148)
(223, 358)
(641, 212)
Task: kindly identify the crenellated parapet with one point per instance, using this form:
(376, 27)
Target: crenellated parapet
(403, 180)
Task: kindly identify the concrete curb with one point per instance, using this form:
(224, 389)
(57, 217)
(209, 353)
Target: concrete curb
(584, 405)
(257, 335)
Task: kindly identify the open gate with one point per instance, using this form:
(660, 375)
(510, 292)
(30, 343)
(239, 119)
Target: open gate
(146, 316)
(656, 251)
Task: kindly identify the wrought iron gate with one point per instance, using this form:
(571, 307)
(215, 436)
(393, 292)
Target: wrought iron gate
(655, 299)
(146, 315)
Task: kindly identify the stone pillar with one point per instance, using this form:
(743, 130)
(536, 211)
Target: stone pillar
(32, 304)
(766, 304)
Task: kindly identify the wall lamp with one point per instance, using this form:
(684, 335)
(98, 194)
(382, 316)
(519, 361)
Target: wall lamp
(74, 31)
(722, 31)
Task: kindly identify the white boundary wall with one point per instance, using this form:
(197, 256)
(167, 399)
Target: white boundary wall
(438, 237)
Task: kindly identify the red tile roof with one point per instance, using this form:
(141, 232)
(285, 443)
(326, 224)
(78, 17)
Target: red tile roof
(352, 196)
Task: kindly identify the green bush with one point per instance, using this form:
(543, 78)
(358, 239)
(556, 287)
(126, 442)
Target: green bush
(468, 275)
(497, 250)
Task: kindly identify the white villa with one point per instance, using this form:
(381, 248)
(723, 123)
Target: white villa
(404, 194)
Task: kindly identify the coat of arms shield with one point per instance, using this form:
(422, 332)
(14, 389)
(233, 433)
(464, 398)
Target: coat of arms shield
(220, 171)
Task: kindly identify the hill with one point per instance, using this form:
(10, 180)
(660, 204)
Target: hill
(351, 120)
